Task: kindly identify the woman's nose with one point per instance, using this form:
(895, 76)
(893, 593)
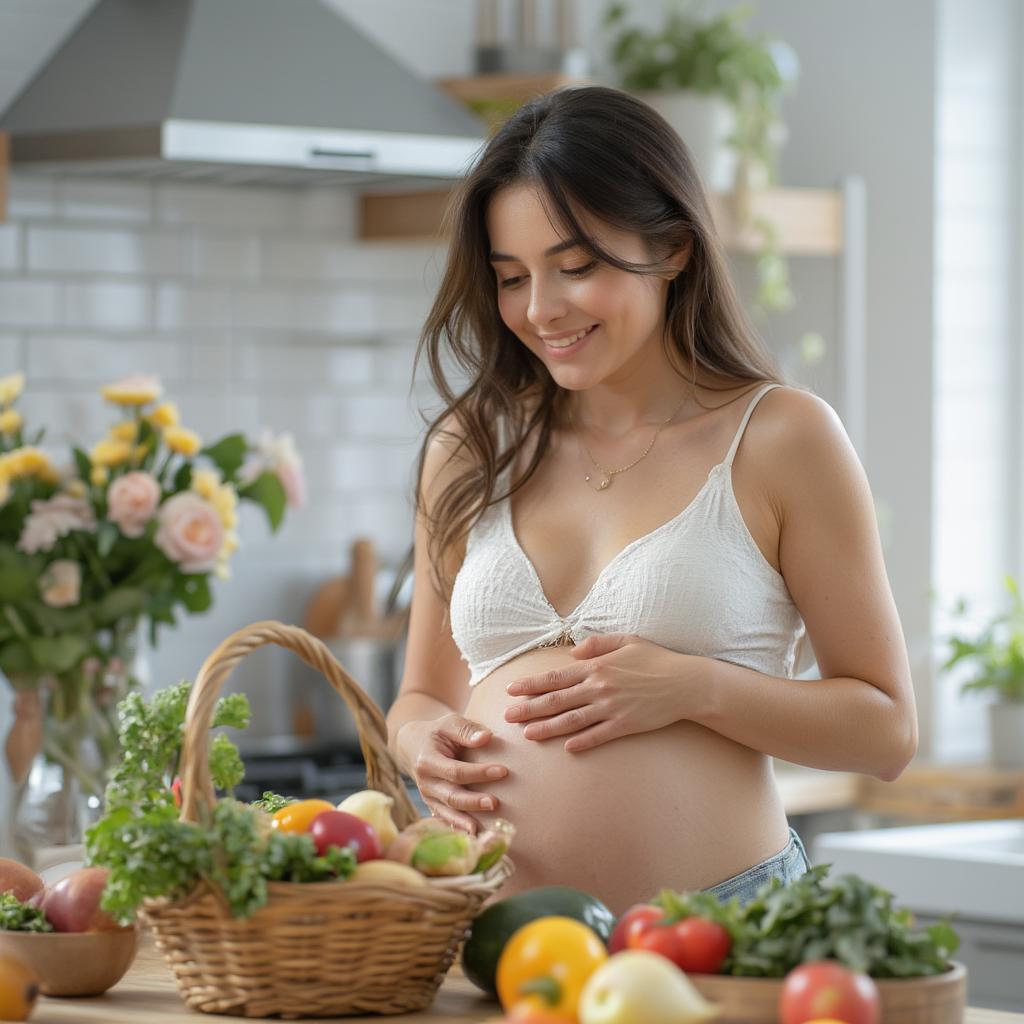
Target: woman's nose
(546, 304)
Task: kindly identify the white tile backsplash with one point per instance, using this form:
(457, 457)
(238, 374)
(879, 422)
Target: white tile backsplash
(77, 359)
(106, 201)
(108, 304)
(100, 251)
(10, 247)
(25, 303)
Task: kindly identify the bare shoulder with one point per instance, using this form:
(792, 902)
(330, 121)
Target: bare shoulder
(799, 444)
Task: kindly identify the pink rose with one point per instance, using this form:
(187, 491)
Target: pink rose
(61, 583)
(190, 532)
(131, 502)
(293, 481)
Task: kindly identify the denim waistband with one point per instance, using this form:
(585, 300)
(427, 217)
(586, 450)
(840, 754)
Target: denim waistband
(788, 864)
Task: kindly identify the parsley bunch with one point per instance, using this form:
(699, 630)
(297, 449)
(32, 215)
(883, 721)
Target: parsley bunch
(150, 853)
(850, 920)
(16, 916)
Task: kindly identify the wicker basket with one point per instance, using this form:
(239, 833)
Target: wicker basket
(316, 949)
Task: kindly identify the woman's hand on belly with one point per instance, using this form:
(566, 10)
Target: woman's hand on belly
(617, 685)
(440, 774)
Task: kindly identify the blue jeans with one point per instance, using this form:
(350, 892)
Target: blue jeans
(788, 865)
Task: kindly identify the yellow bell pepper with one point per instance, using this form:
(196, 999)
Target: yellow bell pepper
(546, 963)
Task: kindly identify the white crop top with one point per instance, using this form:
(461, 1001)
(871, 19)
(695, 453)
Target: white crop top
(697, 584)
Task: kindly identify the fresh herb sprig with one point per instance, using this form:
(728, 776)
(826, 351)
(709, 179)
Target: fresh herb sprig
(16, 916)
(849, 920)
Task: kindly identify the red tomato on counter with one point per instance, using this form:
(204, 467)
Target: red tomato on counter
(695, 944)
(633, 918)
(827, 988)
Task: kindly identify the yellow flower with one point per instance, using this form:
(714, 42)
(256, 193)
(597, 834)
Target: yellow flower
(126, 430)
(10, 421)
(76, 488)
(225, 502)
(98, 476)
(221, 571)
(11, 388)
(110, 452)
(205, 483)
(136, 390)
(5, 489)
(182, 440)
(49, 475)
(164, 415)
(230, 545)
(30, 461)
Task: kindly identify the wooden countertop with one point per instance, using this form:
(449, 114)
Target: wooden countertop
(147, 993)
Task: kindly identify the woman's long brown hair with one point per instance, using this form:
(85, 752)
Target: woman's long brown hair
(602, 151)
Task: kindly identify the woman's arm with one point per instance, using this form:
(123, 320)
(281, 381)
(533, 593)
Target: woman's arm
(861, 715)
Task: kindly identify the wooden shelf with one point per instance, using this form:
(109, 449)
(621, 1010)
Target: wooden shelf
(809, 221)
(812, 791)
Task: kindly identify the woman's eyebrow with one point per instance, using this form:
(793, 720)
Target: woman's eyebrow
(500, 257)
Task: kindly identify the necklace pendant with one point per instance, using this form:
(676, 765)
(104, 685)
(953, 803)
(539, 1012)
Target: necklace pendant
(602, 484)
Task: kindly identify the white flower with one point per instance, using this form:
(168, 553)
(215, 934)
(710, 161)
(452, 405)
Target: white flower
(54, 518)
(277, 455)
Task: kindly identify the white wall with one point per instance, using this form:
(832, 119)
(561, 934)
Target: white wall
(977, 346)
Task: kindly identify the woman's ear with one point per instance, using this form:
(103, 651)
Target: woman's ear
(676, 261)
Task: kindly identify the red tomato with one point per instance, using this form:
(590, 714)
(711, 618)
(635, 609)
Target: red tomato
(629, 921)
(693, 944)
(826, 988)
(703, 945)
(339, 828)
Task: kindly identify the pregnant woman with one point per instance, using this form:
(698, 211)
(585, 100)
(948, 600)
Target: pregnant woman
(628, 528)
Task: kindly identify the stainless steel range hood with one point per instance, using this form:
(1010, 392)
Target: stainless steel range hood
(280, 92)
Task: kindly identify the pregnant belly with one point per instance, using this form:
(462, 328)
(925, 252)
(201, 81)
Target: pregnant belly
(682, 807)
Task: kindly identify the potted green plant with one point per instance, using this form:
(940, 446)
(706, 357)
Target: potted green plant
(997, 657)
(721, 88)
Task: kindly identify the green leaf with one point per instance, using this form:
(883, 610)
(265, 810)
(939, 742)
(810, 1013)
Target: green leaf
(183, 478)
(58, 653)
(228, 454)
(268, 491)
(106, 537)
(18, 575)
(16, 658)
(194, 592)
(83, 463)
(119, 603)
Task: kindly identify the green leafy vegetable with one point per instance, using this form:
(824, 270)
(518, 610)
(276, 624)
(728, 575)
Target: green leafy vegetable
(850, 920)
(151, 853)
(272, 802)
(16, 916)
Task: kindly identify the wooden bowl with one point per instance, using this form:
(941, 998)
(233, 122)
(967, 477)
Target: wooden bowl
(932, 999)
(74, 963)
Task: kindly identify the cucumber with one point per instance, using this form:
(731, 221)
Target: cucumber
(492, 928)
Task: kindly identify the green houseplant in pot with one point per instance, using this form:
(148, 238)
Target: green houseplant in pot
(997, 657)
(721, 88)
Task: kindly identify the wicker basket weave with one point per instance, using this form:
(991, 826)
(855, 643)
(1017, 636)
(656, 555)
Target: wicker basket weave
(318, 949)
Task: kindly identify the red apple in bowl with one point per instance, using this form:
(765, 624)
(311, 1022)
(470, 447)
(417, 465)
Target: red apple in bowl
(73, 904)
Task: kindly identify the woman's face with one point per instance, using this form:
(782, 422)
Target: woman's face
(548, 294)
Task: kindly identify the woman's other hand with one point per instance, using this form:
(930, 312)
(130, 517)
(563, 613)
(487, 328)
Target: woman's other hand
(620, 685)
(432, 748)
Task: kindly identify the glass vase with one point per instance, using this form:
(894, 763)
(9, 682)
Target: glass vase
(63, 743)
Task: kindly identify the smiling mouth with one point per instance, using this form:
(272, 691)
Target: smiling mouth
(567, 342)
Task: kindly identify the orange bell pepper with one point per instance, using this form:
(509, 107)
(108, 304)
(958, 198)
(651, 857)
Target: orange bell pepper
(545, 965)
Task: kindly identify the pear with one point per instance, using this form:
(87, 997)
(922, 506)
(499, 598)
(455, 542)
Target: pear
(374, 808)
(640, 987)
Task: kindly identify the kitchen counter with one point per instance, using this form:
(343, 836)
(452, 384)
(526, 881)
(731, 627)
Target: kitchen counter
(148, 993)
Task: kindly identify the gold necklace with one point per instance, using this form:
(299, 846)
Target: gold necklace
(604, 481)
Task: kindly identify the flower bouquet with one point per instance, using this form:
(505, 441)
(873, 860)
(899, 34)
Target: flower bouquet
(127, 534)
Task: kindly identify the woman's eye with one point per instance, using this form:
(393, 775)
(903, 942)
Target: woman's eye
(511, 282)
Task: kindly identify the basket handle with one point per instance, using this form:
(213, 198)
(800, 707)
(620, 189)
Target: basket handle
(382, 772)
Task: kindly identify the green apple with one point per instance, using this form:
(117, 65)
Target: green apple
(640, 987)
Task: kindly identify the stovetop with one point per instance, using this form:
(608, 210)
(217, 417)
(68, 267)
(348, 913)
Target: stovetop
(293, 767)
